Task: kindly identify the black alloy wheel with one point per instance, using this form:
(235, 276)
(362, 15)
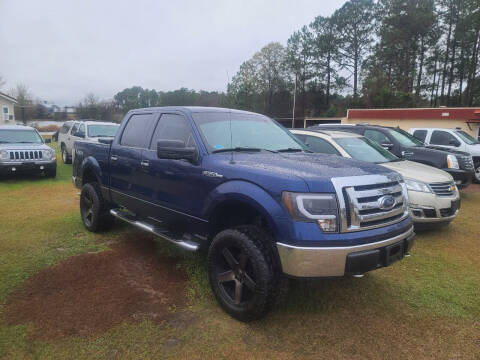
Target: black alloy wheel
(241, 273)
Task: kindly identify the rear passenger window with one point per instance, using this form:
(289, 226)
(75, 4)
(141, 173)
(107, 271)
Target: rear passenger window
(137, 130)
(65, 128)
(420, 134)
(173, 127)
(377, 136)
(319, 145)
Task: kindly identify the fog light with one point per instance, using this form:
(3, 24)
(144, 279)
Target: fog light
(41, 167)
(328, 225)
(14, 169)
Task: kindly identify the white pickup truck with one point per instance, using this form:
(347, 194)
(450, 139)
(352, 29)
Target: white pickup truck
(83, 130)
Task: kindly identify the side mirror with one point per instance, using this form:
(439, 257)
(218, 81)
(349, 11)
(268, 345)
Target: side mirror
(107, 141)
(387, 146)
(176, 150)
(454, 142)
(48, 141)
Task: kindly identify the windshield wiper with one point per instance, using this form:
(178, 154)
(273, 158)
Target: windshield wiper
(290, 150)
(241, 148)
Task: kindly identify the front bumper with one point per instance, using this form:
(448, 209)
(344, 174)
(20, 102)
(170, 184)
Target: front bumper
(34, 167)
(431, 208)
(462, 178)
(300, 261)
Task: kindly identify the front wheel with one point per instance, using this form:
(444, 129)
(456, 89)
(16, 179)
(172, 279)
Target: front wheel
(241, 274)
(51, 173)
(476, 177)
(94, 209)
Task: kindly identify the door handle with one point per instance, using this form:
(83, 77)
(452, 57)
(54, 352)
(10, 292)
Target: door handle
(145, 163)
(114, 158)
(407, 153)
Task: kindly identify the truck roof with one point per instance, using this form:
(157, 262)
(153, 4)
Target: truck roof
(193, 109)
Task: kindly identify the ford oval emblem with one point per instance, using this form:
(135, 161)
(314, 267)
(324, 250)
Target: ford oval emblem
(386, 202)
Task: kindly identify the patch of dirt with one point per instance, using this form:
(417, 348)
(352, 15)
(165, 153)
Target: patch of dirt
(472, 188)
(92, 292)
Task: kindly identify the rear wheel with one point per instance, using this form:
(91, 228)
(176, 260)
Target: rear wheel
(94, 209)
(242, 274)
(65, 157)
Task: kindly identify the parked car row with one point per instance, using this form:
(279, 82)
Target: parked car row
(433, 197)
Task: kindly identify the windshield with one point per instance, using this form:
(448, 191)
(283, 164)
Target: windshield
(19, 136)
(361, 148)
(405, 138)
(102, 130)
(223, 130)
(466, 137)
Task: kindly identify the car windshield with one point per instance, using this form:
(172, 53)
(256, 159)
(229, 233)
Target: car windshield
(102, 130)
(470, 140)
(405, 138)
(19, 136)
(361, 148)
(224, 131)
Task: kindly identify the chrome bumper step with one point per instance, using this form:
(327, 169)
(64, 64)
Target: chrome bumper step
(186, 244)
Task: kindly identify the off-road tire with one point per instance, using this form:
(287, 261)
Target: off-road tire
(67, 159)
(259, 267)
(94, 210)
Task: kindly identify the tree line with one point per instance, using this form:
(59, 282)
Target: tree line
(388, 53)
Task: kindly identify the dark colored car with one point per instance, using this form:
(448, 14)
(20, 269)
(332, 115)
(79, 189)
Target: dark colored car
(242, 187)
(405, 146)
(22, 150)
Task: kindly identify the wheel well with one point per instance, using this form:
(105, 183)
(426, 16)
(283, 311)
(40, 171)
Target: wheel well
(233, 213)
(88, 176)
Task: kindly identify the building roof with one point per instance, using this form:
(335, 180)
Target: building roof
(469, 114)
(8, 97)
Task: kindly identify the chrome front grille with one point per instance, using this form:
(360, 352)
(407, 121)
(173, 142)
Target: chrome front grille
(16, 155)
(465, 162)
(362, 201)
(443, 189)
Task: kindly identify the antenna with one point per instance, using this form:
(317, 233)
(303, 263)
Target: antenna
(231, 136)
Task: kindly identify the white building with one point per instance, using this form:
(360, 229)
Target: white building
(7, 115)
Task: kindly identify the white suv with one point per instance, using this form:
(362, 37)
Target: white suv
(89, 131)
(455, 139)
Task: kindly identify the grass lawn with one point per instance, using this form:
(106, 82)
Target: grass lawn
(427, 306)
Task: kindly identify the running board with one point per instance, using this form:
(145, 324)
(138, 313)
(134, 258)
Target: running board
(185, 244)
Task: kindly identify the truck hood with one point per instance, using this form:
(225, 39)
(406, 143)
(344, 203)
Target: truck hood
(291, 171)
(439, 150)
(420, 172)
(16, 146)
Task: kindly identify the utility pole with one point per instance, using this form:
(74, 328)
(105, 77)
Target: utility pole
(294, 98)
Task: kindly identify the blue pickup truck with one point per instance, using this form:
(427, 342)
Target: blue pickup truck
(240, 186)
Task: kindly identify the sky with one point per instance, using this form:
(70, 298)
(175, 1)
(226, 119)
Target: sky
(64, 49)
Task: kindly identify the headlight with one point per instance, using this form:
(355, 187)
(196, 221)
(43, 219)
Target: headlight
(414, 185)
(48, 154)
(319, 208)
(4, 155)
(452, 162)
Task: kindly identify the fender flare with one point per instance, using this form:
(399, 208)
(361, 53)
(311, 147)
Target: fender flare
(250, 194)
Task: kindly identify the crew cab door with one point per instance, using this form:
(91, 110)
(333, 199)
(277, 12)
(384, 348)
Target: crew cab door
(126, 182)
(175, 188)
(70, 137)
